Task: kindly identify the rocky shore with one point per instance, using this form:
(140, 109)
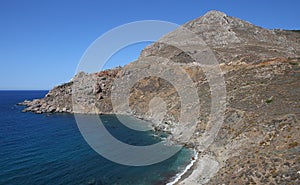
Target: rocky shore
(258, 142)
(96, 88)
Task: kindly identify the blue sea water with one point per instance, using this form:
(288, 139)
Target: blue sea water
(49, 149)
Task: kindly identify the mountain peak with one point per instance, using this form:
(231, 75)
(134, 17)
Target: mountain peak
(233, 39)
(214, 13)
(216, 18)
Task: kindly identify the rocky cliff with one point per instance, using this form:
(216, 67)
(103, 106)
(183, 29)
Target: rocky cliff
(258, 143)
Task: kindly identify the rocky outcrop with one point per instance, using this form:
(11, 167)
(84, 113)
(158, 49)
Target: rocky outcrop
(56, 100)
(94, 95)
(259, 139)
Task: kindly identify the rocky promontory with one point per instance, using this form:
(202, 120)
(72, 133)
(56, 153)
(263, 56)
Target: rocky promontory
(258, 142)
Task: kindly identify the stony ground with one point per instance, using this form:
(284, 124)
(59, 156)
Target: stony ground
(259, 141)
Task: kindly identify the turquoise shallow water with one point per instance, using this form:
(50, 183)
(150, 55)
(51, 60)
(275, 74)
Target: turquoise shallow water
(49, 149)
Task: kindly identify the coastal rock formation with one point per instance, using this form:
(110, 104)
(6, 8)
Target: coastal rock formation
(258, 142)
(94, 89)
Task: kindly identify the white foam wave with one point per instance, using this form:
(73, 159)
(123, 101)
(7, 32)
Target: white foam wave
(179, 176)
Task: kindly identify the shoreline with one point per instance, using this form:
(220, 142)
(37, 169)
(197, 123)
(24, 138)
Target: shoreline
(175, 180)
(186, 172)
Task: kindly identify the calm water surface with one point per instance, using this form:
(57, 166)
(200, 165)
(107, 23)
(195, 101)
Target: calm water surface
(49, 149)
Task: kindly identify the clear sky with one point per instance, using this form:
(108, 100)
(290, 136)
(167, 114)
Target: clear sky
(42, 41)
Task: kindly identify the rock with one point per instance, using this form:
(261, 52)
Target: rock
(97, 88)
(51, 109)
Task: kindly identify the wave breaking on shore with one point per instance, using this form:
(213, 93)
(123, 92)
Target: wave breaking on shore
(187, 168)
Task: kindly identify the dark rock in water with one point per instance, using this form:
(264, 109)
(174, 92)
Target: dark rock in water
(261, 69)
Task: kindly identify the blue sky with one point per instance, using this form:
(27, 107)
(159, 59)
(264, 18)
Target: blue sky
(42, 41)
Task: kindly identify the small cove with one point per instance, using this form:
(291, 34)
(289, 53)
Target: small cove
(48, 148)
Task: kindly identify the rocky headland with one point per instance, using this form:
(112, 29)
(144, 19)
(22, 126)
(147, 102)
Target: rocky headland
(258, 142)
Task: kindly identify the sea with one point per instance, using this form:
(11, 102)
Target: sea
(49, 149)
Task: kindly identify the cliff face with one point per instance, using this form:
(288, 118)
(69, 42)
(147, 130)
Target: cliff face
(259, 139)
